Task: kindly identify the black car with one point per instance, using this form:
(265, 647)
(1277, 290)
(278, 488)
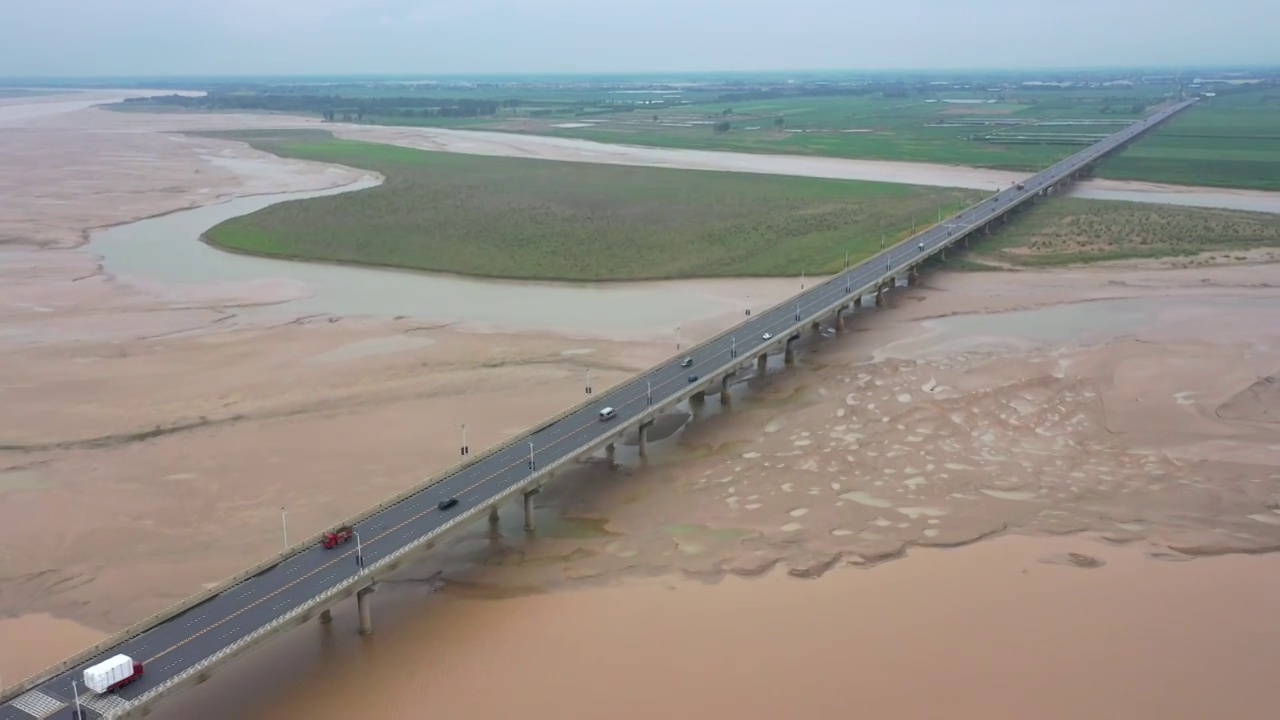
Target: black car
(446, 504)
(693, 378)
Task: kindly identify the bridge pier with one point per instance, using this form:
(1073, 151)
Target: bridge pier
(724, 387)
(610, 453)
(528, 509)
(326, 617)
(364, 605)
(698, 398)
(857, 303)
(840, 319)
(913, 275)
(815, 326)
(643, 432)
(880, 295)
(942, 254)
(762, 364)
(789, 354)
(493, 515)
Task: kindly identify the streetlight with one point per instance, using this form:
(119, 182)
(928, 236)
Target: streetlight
(846, 259)
(797, 312)
(464, 448)
(531, 465)
(677, 337)
(588, 381)
(733, 346)
(359, 550)
(284, 525)
(75, 692)
(648, 394)
(801, 279)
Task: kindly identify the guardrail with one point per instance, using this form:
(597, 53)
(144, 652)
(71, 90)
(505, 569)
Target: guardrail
(142, 626)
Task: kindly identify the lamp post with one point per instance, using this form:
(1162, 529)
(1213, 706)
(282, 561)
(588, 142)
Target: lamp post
(648, 392)
(588, 381)
(801, 279)
(464, 448)
(75, 691)
(284, 526)
(531, 465)
(677, 337)
(797, 312)
(359, 551)
(733, 347)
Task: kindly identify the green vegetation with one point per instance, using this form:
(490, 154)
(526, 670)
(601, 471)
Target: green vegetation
(1069, 230)
(538, 219)
(1229, 141)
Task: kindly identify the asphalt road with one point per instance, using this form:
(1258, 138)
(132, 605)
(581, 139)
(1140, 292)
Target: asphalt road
(175, 645)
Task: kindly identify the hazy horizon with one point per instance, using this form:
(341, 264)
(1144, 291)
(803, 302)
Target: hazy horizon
(158, 38)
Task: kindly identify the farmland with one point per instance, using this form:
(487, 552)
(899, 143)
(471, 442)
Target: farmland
(1230, 141)
(1011, 122)
(1071, 231)
(545, 220)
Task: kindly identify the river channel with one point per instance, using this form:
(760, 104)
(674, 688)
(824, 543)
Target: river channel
(164, 255)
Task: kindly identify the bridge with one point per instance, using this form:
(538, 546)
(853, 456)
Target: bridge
(185, 644)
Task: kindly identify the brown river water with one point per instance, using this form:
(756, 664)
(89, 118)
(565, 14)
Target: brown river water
(1009, 628)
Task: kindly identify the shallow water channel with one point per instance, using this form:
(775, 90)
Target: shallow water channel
(165, 255)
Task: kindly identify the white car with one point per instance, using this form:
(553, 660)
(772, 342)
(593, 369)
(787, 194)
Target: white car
(767, 336)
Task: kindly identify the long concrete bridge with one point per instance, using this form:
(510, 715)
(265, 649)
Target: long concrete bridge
(185, 644)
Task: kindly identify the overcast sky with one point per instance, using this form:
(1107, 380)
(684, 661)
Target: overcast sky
(183, 37)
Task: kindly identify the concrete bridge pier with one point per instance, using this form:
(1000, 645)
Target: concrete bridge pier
(528, 508)
(698, 398)
(789, 354)
(815, 326)
(762, 364)
(643, 432)
(913, 275)
(724, 387)
(880, 295)
(840, 318)
(364, 604)
(942, 254)
(493, 515)
(857, 303)
(326, 617)
(610, 453)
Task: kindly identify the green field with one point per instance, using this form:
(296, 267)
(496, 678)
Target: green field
(538, 219)
(1230, 141)
(1068, 231)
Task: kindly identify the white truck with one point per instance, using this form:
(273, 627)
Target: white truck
(112, 673)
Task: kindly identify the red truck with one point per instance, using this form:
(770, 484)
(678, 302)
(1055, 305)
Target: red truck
(334, 538)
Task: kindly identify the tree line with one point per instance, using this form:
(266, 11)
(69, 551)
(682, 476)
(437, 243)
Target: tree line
(334, 107)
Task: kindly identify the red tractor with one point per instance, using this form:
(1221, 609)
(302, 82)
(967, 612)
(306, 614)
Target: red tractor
(334, 538)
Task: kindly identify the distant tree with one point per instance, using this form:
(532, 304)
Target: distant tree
(727, 112)
(655, 117)
(360, 114)
(722, 127)
(779, 122)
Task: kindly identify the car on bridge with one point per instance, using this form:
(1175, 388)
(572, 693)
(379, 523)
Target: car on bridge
(767, 336)
(686, 362)
(446, 504)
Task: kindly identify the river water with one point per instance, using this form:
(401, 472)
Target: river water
(164, 256)
(1003, 629)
